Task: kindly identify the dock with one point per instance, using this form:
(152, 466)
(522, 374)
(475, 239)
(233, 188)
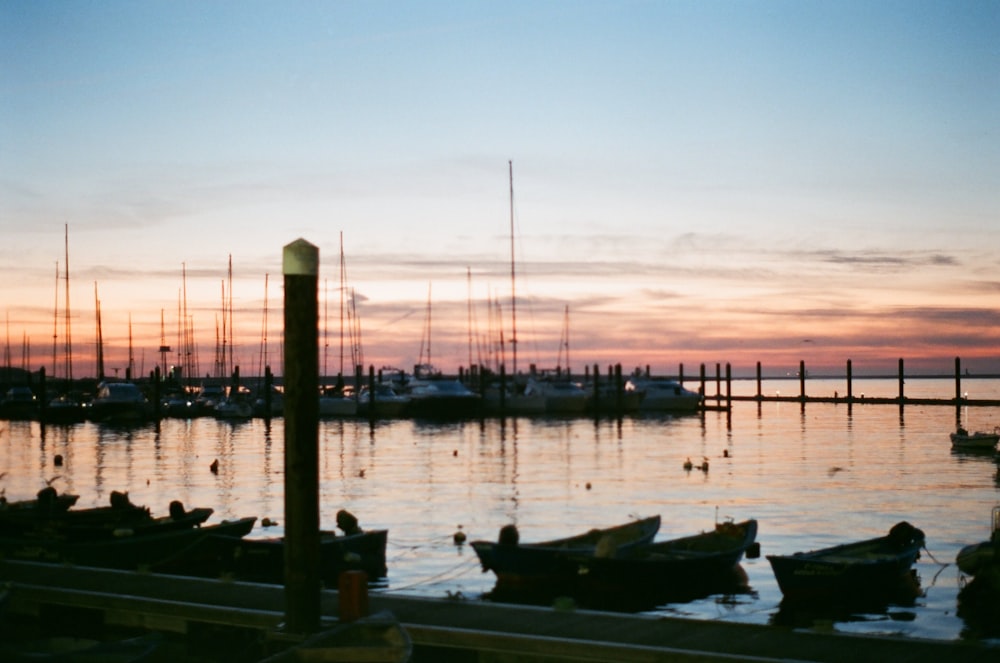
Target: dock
(445, 630)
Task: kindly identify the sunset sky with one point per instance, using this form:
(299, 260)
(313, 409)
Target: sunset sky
(694, 182)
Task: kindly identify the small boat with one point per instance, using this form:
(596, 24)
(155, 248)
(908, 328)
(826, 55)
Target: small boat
(207, 398)
(381, 402)
(434, 396)
(605, 398)
(119, 402)
(963, 439)
(237, 405)
(378, 638)
(64, 409)
(664, 395)
(20, 403)
(977, 557)
(336, 403)
(555, 563)
(125, 548)
(51, 511)
(263, 560)
(863, 569)
(562, 395)
(48, 501)
(674, 569)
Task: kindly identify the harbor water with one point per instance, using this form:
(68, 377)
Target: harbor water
(813, 475)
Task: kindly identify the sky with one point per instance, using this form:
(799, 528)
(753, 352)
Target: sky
(693, 182)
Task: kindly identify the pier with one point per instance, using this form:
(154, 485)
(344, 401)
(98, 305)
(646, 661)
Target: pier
(219, 619)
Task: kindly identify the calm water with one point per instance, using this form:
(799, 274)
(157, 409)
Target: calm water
(813, 477)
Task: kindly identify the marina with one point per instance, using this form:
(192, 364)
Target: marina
(812, 477)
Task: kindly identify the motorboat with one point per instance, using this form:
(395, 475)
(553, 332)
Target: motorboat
(119, 402)
(19, 403)
(562, 396)
(963, 439)
(337, 403)
(442, 398)
(663, 395)
(381, 401)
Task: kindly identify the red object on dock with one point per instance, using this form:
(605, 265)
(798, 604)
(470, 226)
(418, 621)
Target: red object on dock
(353, 590)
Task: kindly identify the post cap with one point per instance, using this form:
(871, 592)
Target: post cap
(300, 258)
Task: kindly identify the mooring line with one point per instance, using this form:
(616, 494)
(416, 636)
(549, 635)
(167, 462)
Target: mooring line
(448, 574)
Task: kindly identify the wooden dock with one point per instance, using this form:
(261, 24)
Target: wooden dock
(223, 613)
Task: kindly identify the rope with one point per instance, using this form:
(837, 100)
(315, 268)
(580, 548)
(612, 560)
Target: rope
(448, 574)
(935, 561)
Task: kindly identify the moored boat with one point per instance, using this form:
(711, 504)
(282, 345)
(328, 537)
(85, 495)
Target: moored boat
(119, 402)
(381, 402)
(263, 559)
(963, 439)
(562, 395)
(977, 557)
(19, 403)
(852, 571)
(555, 563)
(674, 569)
(663, 395)
(125, 548)
(434, 396)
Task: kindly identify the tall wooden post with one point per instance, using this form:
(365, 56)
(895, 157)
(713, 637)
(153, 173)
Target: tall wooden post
(958, 380)
(729, 386)
(302, 581)
(850, 383)
(802, 380)
(759, 393)
(901, 381)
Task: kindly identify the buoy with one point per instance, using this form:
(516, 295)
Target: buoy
(58, 460)
(214, 466)
(588, 485)
(704, 465)
(688, 465)
(459, 536)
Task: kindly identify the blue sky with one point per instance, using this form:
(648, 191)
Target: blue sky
(696, 181)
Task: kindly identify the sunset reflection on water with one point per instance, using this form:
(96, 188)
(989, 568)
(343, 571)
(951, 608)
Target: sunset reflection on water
(812, 476)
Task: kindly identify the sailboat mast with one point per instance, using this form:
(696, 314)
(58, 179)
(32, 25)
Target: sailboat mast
(513, 297)
(69, 343)
(100, 336)
(342, 278)
(55, 325)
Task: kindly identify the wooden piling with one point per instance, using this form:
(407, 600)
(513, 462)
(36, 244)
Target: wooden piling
(302, 581)
(850, 383)
(802, 379)
(901, 381)
(729, 386)
(958, 380)
(759, 393)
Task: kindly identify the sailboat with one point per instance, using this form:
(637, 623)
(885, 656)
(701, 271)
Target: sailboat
(65, 408)
(333, 401)
(562, 394)
(433, 395)
(510, 398)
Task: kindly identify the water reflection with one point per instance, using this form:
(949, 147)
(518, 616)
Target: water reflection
(896, 605)
(811, 481)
